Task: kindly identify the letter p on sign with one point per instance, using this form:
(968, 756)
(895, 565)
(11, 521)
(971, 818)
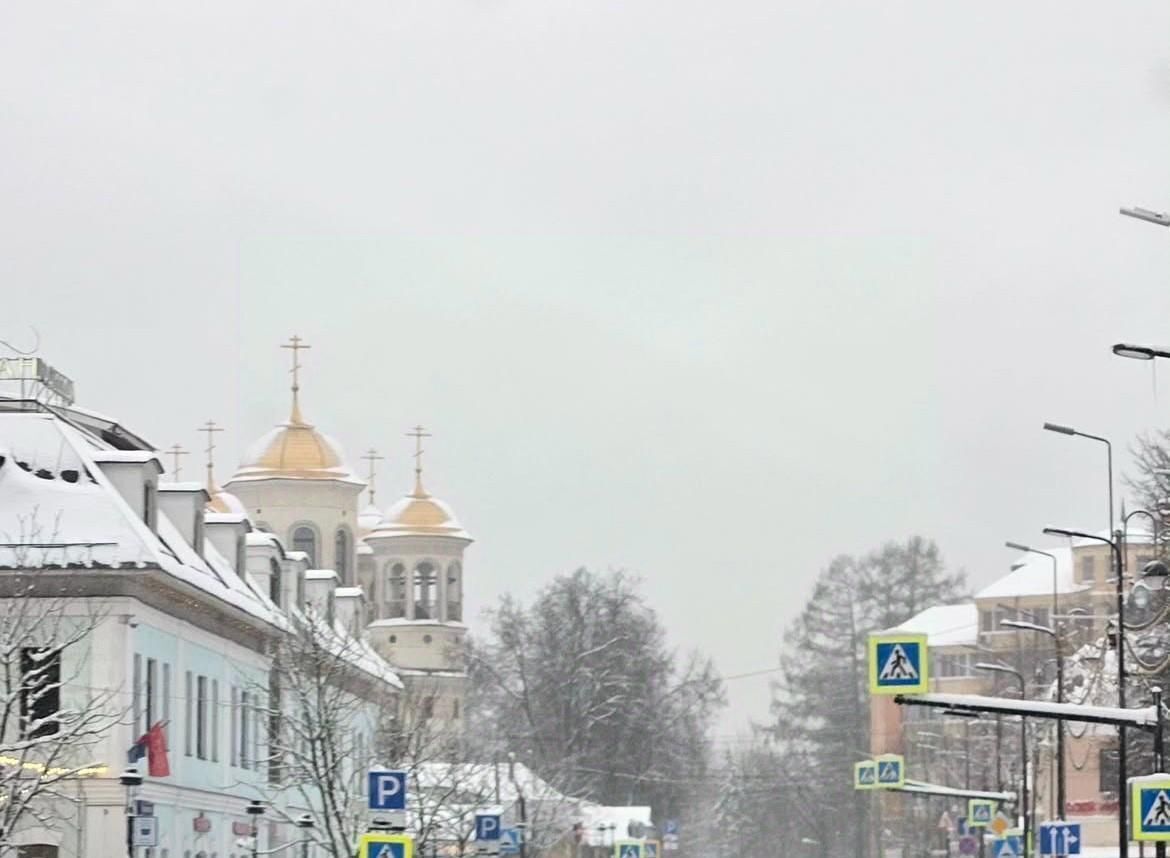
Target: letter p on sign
(387, 790)
(487, 826)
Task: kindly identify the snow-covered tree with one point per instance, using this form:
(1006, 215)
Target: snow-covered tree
(583, 687)
(51, 715)
(325, 697)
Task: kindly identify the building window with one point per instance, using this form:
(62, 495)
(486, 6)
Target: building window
(245, 725)
(136, 696)
(986, 623)
(189, 698)
(274, 729)
(274, 582)
(428, 707)
(455, 709)
(148, 505)
(1087, 568)
(215, 720)
(40, 691)
(166, 704)
(1107, 770)
(1040, 616)
(341, 553)
(233, 741)
(201, 717)
(396, 581)
(151, 694)
(425, 580)
(305, 539)
(454, 599)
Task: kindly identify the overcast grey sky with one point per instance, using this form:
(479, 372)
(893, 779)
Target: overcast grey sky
(709, 291)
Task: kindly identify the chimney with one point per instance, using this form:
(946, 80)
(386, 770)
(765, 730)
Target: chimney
(134, 473)
(320, 591)
(227, 532)
(350, 607)
(183, 504)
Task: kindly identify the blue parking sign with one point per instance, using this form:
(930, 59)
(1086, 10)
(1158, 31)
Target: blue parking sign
(387, 789)
(487, 826)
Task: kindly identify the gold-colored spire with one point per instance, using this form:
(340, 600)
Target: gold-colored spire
(296, 344)
(210, 428)
(175, 452)
(372, 456)
(418, 433)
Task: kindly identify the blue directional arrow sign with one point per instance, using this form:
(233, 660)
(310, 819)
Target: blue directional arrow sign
(487, 826)
(387, 789)
(1060, 838)
(1008, 846)
(627, 849)
(1151, 807)
(386, 846)
(898, 664)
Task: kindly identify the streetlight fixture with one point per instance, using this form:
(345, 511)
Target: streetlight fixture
(1055, 635)
(1139, 352)
(255, 810)
(1122, 784)
(305, 823)
(1068, 430)
(1148, 215)
(1003, 668)
(130, 778)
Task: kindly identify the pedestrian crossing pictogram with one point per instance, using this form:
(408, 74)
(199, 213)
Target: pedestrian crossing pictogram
(1151, 807)
(891, 770)
(980, 812)
(898, 664)
(865, 775)
(378, 845)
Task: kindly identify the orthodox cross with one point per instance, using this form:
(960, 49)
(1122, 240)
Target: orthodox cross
(418, 433)
(296, 344)
(372, 456)
(210, 428)
(175, 452)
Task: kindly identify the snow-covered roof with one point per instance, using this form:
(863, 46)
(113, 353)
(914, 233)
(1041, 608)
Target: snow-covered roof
(513, 780)
(354, 650)
(58, 509)
(1031, 575)
(945, 625)
(594, 815)
(387, 622)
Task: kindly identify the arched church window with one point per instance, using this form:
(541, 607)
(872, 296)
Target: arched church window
(305, 539)
(341, 552)
(274, 582)
(454, 598)
(396, 588)
(425, 585)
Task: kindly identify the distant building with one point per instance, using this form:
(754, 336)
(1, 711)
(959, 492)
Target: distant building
(984, 753)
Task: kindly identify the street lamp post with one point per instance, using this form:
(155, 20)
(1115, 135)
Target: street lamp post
(1122, 785)
(130, 779)
(1003, 668)
(1068, 430)
(255, 810)
(305, 823)
(1060, 773)
(1149, 216)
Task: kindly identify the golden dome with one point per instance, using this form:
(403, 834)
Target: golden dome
(225, 502)
(419, 514)
(296, 450)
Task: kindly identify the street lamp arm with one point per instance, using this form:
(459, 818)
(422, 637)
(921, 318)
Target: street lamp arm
(1032, 627)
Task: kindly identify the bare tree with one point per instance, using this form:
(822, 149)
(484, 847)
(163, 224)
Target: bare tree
(51, 715)
(326, 693)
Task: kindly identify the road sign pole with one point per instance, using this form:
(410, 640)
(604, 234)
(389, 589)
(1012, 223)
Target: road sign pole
(1159, 756)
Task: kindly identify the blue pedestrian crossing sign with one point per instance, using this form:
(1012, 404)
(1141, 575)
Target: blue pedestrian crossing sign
(651, 849)
(865, 775)
(898, 664)
(510, 841)
(891, 770)
(1151, 807)
(1008, 846)
(386, 846)
(980, 812)
(627, 849)
(1060, 838)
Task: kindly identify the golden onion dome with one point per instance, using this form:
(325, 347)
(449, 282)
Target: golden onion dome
(419, 514)
(295, 450)
(225, 502)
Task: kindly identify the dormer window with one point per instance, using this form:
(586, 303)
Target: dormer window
(274, 582)
(150, 504)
